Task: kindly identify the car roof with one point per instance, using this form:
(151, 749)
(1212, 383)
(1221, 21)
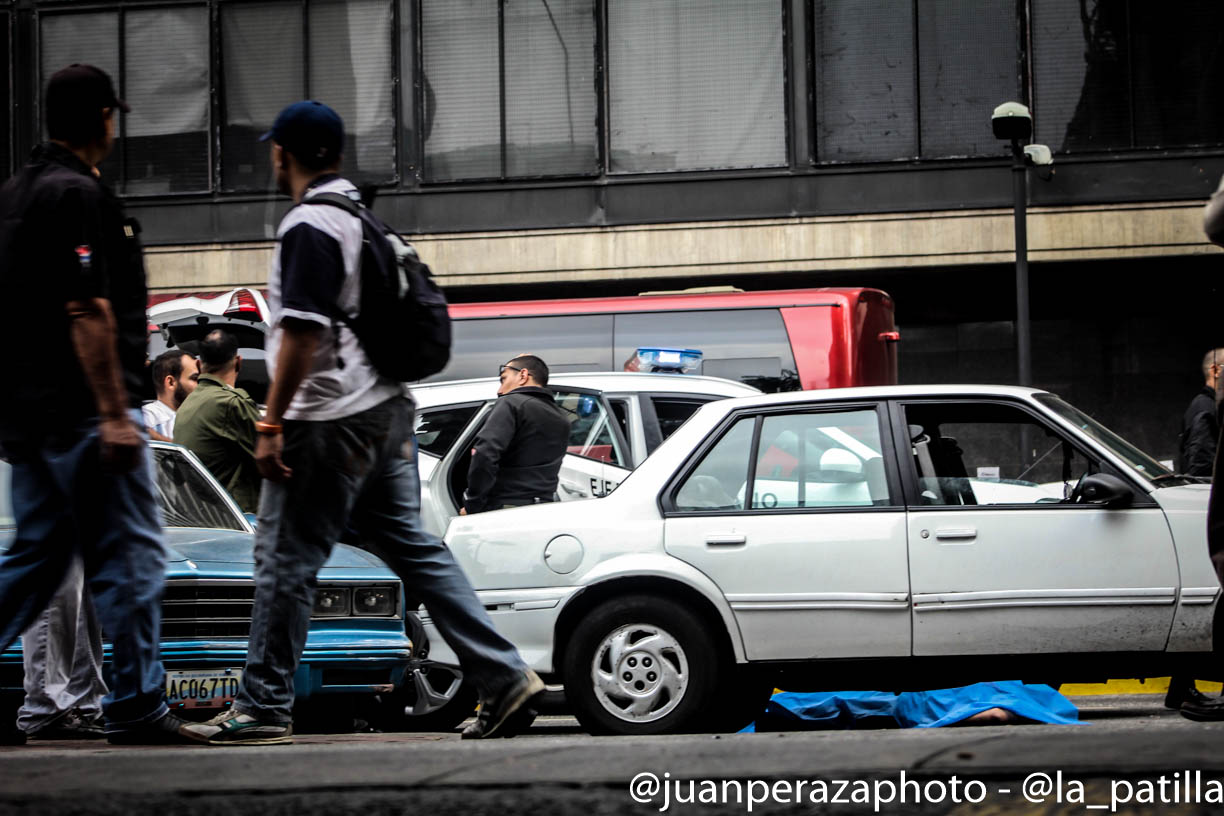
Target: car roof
(431, 394)
(877, 392)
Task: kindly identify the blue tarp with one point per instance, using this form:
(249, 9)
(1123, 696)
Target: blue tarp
(795, 711)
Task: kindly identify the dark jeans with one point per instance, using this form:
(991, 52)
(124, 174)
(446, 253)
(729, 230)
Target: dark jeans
(352, 482)
(64, 502)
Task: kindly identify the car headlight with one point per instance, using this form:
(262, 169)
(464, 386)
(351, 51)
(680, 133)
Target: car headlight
(378, 602)
(331, 602)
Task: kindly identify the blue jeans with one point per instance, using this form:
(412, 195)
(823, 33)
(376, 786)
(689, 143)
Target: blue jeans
(64, 503)
(351, 480)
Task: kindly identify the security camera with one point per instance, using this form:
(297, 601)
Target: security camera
(1011, 120)
(1038, 154)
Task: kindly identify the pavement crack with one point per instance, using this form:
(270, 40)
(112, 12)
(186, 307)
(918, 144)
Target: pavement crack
(921, 763)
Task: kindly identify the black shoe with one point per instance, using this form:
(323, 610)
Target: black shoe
(169, 730)
(1207, 711)
(509, 712)
(1177, 697)
(71, 726)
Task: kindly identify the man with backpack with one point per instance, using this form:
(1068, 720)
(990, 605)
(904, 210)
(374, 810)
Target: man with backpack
(331, 447)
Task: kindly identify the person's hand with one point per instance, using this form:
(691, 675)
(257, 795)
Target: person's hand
(268, 458)
(463, 511)
(122, 444)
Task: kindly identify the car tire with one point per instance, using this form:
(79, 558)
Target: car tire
(396, 709)
(664, 679)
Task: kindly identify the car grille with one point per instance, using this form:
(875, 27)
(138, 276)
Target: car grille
(193, 609)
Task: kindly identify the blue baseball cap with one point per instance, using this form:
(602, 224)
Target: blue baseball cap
(311, 131)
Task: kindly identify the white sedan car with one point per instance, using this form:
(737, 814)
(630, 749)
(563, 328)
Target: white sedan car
(894, 537)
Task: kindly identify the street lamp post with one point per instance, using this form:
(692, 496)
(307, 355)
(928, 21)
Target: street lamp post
(1012, 121)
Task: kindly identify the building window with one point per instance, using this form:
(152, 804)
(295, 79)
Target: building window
(508, 89)
(349, 67)
(1119, 75)
(912, 80)
(696, 85)
(162, 72)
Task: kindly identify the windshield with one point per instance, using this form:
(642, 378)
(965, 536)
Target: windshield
(1137, 459)
(188, 498)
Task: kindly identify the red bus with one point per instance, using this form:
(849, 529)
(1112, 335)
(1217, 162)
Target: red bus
(783, 340)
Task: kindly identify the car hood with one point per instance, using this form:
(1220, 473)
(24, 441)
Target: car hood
(1183, 497)
(200, 550)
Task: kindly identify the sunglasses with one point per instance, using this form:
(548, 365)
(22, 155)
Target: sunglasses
(502, 370)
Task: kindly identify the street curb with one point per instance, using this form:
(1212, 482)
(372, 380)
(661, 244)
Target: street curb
(1150, 685)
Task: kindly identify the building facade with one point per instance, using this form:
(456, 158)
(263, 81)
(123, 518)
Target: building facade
(550, 148)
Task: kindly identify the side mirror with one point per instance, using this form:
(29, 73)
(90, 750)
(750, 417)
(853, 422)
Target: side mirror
(1104, 489)
(840, 466)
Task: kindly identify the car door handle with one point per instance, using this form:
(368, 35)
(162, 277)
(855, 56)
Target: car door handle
(955, 533)
(726, 540)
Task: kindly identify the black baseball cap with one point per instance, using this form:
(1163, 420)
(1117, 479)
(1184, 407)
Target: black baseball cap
(311, 131)
(80, 88)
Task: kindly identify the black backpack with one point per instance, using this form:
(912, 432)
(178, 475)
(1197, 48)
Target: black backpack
(402, 322)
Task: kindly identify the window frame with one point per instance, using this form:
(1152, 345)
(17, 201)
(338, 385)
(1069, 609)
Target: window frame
(610, 420)
(120, 10)
(666, 499)
(909, 477)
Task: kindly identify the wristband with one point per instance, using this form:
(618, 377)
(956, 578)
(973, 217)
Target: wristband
(268, 428)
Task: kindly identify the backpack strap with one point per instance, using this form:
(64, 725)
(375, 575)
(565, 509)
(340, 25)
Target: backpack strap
(353, 207)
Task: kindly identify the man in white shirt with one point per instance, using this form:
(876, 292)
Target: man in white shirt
(332, 450)
(175, 375)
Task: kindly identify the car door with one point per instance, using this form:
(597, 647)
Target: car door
(1001, 562)
(598, 457)
(796, 515)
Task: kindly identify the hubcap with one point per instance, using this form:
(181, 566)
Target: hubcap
(640, 673)
(435, 687)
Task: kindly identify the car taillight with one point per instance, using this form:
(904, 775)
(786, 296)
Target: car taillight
(242, 302)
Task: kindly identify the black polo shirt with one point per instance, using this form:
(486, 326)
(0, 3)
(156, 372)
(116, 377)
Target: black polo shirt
(63, 237)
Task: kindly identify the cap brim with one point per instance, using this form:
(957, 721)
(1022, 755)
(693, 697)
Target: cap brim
(266, 136)
(123, 106)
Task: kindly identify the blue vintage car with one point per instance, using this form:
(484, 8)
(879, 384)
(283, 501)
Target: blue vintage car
(356, 652)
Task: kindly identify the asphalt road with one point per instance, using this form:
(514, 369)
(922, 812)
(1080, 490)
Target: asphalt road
(1117, 759)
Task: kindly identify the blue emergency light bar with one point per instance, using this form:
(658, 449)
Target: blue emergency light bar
(666, 360)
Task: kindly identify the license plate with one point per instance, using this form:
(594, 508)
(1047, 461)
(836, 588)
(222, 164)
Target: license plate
(202, 688)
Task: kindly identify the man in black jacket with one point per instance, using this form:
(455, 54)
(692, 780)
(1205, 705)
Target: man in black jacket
(518, 452)
(1200, 430)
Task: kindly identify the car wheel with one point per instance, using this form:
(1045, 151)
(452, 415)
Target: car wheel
(435, 698)
(640, 665)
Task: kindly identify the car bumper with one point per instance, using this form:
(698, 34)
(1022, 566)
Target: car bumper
(332, 662)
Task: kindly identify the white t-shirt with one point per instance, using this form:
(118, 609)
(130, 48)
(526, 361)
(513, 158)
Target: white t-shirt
(160, 417)
(316, 267)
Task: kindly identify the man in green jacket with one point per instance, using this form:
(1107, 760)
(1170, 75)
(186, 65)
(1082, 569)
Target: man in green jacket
(217, 421)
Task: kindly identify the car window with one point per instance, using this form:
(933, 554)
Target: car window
(591, 433)
(188, 498)
(988, 454)
(820, 460)
(672, 412)
(620, 407)
(437, 429)
(717, 483)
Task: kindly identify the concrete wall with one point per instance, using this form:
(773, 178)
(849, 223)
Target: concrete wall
(741, 248)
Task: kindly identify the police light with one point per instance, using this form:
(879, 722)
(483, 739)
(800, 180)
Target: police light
(666, 360)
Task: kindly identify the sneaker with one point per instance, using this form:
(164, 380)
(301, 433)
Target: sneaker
(508, 712)
(169, 730)
(236, 728)
(71, 726)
